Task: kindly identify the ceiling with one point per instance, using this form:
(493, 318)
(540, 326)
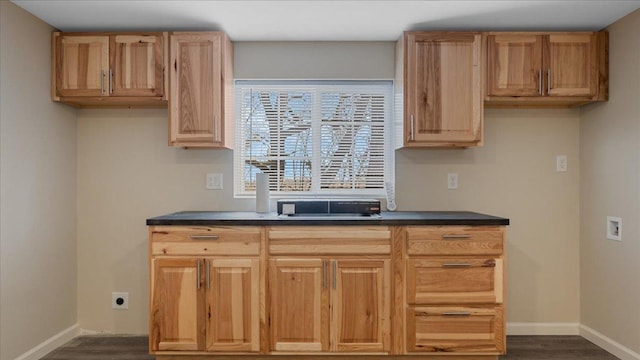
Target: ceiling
(326, 20)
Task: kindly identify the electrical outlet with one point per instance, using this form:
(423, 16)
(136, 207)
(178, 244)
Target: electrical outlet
(120, 300)
(561, 163)
(452, 181)
(214, 181)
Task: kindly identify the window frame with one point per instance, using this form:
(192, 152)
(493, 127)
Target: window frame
(316, 191)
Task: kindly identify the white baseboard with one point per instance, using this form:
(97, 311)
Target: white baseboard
(51, 344)
(543, 328)
(617, 349)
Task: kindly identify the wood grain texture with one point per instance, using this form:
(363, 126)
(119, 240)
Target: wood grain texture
(431, 329)
(443, 88)
(329, 240)
(398, 308)
(177, 305)
(205, 240)
(360, 305)
(514, 64)
(299, 311)
(455, 240)
(82, 64)
(109, 70)
(233, 306)
(574, 69)
(199, 85)
(571, 64)
(137, 64)
(457, 280)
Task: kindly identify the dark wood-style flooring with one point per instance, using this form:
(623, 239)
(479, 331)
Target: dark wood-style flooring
(519, 348)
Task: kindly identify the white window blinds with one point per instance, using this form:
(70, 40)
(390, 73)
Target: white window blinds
(314, 137)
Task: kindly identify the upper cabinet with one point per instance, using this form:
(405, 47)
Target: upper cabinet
(109, 69)
(552, 69)
(201, 82)
(442, 89)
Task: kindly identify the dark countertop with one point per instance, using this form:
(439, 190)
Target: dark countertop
(204, 218)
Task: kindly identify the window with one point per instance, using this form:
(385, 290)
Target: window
(314, 137)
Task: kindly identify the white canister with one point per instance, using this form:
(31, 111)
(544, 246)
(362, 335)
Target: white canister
(262, 193)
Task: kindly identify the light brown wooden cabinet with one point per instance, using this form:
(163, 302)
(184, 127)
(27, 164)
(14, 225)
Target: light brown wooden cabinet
(201, 82)
(313, 290)
(455, 289)
(177, 306)
(109, 69)
(205, 293)
(546, 69)
(442, 88)
(338, 302)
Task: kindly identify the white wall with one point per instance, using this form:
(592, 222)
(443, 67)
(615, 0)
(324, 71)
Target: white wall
(38, 289)
(127, 173)
(610, 186)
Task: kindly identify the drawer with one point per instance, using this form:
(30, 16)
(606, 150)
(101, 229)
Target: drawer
(205, 240)
(455, 240)
(329, 240)
(456, 329)
(455, 281)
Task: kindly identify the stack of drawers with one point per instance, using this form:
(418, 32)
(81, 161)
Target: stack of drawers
(455, 289)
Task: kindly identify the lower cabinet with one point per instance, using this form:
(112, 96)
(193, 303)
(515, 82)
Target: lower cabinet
(455, 290)
(205, 304)
(316, 290)
(321, 305)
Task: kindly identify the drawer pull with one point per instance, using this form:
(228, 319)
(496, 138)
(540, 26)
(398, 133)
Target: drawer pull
(456, 313)
(456, 236)
(456, 265)
(204, 237)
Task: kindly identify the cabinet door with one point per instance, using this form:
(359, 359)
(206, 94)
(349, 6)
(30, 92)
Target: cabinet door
(454, 281)
(515, 65)
(177, 305)
(360, 305)
(571, 64)
(299, 305)
(195, 103)
(137, 65)
(443, 89)
(82, 64)
(233, 309)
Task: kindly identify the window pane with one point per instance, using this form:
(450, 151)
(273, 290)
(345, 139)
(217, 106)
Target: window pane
(278, 126)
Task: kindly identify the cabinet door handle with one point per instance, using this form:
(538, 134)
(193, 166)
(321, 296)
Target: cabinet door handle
(333, 273)
(207, 275)
(540, 82)
(412, 129)
(324, 274)
(455, 265)
(198, 275)
(204, 237)
(110, 81)
(549, 81)
(456, 236)
(101, 82)
(456, 313)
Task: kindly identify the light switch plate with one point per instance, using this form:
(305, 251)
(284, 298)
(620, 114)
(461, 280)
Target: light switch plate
(452, 181)
(561, 163)
(214, 181)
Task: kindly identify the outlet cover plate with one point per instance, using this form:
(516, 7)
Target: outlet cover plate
(122, 297)
(614, 228)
